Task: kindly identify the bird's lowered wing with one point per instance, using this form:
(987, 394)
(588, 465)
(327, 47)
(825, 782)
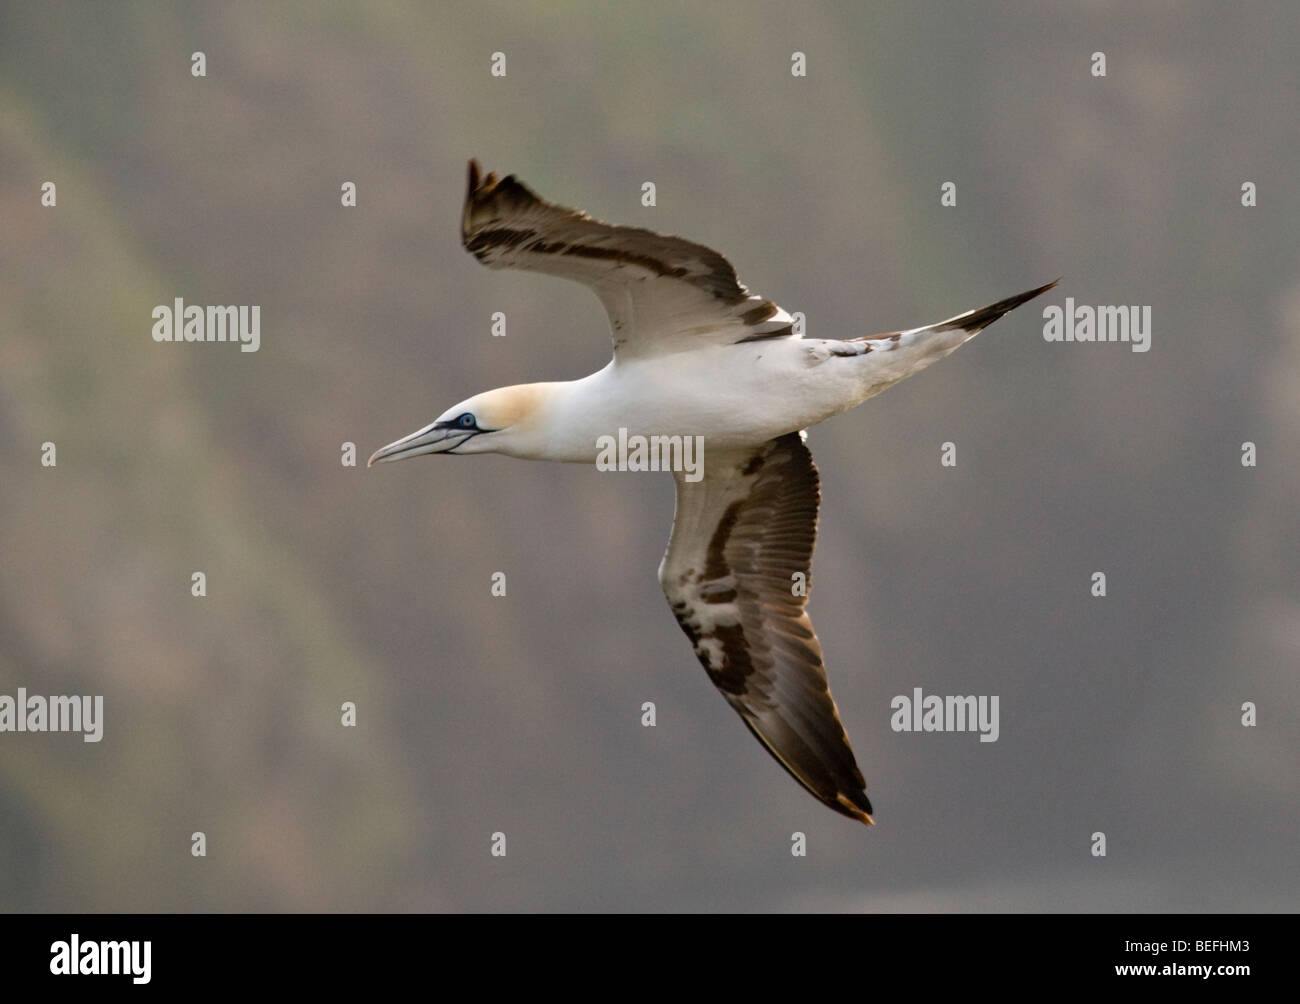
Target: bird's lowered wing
(740, 536)
(662, 294)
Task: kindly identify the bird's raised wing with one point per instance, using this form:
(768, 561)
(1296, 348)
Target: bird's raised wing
(741, 538)
(662, 294)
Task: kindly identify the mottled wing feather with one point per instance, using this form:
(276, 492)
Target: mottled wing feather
(741, 538)
(663, 294)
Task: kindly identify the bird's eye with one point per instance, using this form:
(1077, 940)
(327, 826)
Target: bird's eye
(466, 421)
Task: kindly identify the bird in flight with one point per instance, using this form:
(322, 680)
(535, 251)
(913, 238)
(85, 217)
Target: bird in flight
(698, 355)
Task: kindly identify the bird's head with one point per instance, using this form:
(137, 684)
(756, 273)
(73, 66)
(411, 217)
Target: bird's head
(504, 420)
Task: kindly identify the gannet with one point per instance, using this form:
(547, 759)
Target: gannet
(697, 354)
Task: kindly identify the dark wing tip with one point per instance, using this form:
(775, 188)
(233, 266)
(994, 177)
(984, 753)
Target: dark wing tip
(830, 774)
(826, 770)
(472, 196)
(856, 805)
(480, 185)
(490, 198)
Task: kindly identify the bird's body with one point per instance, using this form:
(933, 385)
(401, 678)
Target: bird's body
(696, 355)
(711, 393)
(733, 395)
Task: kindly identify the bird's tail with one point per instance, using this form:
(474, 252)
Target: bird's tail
(896, 355)
(971, 322)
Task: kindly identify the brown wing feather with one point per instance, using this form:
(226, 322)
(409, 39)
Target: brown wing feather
(662, 293)
(739, 538)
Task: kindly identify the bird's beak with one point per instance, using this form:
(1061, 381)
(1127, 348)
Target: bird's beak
(440, 437)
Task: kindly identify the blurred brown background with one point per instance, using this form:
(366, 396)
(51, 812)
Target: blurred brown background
(328, 584)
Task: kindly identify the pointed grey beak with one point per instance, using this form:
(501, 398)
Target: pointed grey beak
(440, 437)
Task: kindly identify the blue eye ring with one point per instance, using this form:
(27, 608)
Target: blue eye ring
(466, 421)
